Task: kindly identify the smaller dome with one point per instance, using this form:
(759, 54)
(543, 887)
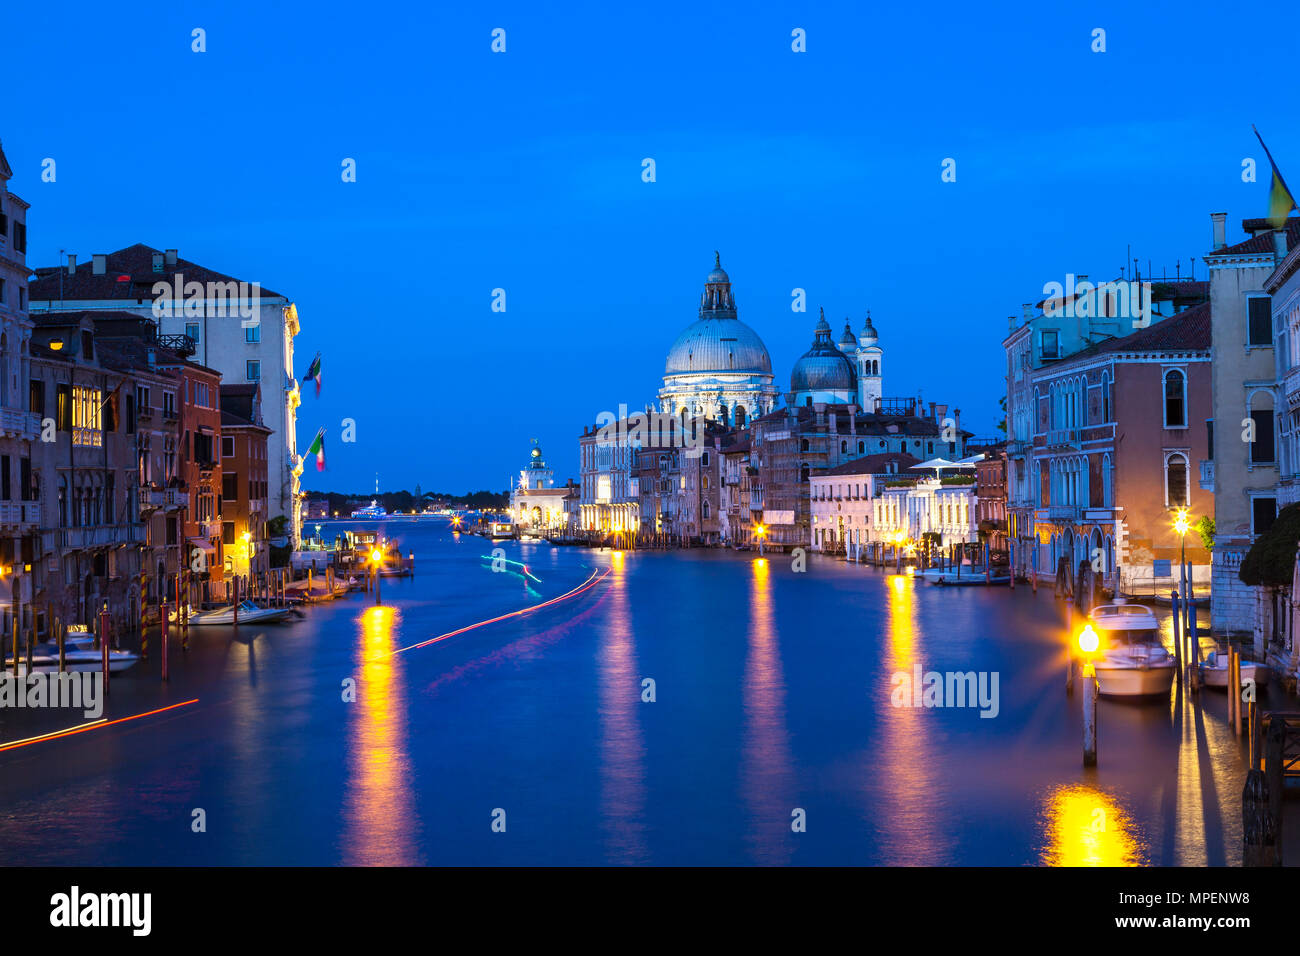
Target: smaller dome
(718, 275)
(848, 340)
(822, 324)
(869, 336)
(824, 367)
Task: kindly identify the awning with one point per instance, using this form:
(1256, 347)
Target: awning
(203, 544)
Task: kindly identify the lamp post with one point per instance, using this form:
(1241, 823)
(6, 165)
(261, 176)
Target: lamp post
(377, 557)
(760, 532)
(1181, 524)
(899, 538)
(1088, 644)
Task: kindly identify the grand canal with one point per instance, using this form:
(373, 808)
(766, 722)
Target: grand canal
(772, 693)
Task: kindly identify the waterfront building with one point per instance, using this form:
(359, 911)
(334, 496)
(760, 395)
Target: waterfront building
(610, 501)
(535, 502)
(1276, 612)
(1038, 411)
(1242, 473)
(20, 510)
(93, 535)
(718, 367)
(737, 516)
(658, 483)
(842, 500)
(239, 329)
(939, 512)
(1116, 430)
(789, 445)
(314, 509)
(699, 490)
(991, 493)
(244, 481)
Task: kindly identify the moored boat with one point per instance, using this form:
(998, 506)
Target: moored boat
(79, 654)
(1132, 661)
(249, 613)
(1214, 671)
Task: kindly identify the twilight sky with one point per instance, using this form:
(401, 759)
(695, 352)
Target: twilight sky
(522, 171)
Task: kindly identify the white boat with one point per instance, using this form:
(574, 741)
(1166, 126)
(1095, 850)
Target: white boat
(249, 613)
(1132, 661)
(1214, 671)
(79, 654)
(372, 510)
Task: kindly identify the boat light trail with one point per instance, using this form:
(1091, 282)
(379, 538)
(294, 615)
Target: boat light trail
(592, 580)
(93, 725)
(488, 557)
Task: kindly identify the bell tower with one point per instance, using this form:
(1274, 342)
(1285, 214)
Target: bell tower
(869, 355)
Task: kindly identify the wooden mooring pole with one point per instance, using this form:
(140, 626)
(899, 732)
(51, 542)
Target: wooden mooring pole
(1089, 715)
(103, 642)
(1259, 832)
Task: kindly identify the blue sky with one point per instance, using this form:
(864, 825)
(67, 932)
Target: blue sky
(522, 171)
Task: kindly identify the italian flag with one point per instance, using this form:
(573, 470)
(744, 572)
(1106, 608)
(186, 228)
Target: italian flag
(317, 448)
(313, 372)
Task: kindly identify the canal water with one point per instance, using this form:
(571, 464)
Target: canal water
(529, 739)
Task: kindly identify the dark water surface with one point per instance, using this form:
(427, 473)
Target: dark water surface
(773, 693)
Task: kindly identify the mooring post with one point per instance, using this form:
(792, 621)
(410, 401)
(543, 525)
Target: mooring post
(1235, 687)
(1011, 563)
(1178, 638)
(103, 642)
(1070, 664)
(1274, 743)
(162, 640)
(1089, 715)
(58, 633)
(1259, 843)
(1193, 633)
(1254, 736)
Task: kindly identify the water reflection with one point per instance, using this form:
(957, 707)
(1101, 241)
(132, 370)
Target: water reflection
(766, 766)
(380, 821)
(905, 822)
(622, 750)
(1087, 827)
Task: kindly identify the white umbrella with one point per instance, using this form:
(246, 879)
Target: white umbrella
(936, 464)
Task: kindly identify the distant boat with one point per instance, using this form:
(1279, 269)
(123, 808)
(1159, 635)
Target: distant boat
(1214, 671)
(372, 510)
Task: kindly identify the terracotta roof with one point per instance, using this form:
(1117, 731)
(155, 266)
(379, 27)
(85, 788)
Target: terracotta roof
(1261, 244)
(135, 263)
(1188, 330)
(872, 465)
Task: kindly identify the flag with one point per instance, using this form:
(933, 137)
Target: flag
(317, 447)
(1280, 201)
(313, 372)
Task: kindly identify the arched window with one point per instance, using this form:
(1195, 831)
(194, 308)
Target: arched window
(844, 447)
(803, 445)
(803, 472)
(1176, 481)
(862, 447)
(1175, 399)
(740, 416)
(1105, 396)
(704, 509)
(807, 401)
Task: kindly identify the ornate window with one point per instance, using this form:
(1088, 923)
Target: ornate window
(1175, 399)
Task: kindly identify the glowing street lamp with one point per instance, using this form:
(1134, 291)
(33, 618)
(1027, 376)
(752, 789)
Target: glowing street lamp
(760, 532)
(376, 558)
(1088, 640)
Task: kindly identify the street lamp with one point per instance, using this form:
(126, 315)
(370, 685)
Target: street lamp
(1181, 524)
(760, 532)
(899, 538)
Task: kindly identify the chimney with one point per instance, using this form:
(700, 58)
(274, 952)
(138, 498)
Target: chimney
(99, 264)
(1029, 310)
(1011, 323)
(157, 262)
(853, 419)
(932, 411)
(1279, 245)
(72, 263)
(170, 257)
(1219, 220)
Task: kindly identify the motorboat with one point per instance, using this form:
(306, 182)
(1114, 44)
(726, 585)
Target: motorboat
(372, 510)
(249, 613)
(1132, 661)
(1214, 671)
(79, 654)
(500, 530)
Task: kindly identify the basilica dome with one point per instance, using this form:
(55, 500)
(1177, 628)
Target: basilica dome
(718, 345)
(823, 368)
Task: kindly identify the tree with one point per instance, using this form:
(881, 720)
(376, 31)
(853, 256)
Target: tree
(1002, 404)
(1205, 528)
(1271, 559)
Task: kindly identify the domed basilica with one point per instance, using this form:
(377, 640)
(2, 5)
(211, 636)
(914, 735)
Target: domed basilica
(719, 368)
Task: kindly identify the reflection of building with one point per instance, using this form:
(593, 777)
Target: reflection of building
(535, 502)
(244, 480)
(718, 367)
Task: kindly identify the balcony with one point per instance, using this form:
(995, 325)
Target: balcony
(210, 529)
(1207, 476)
(20, 513)
(100, 536)
(166, 499)
(1063, 438)
(1063, 512)
(16, 423)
